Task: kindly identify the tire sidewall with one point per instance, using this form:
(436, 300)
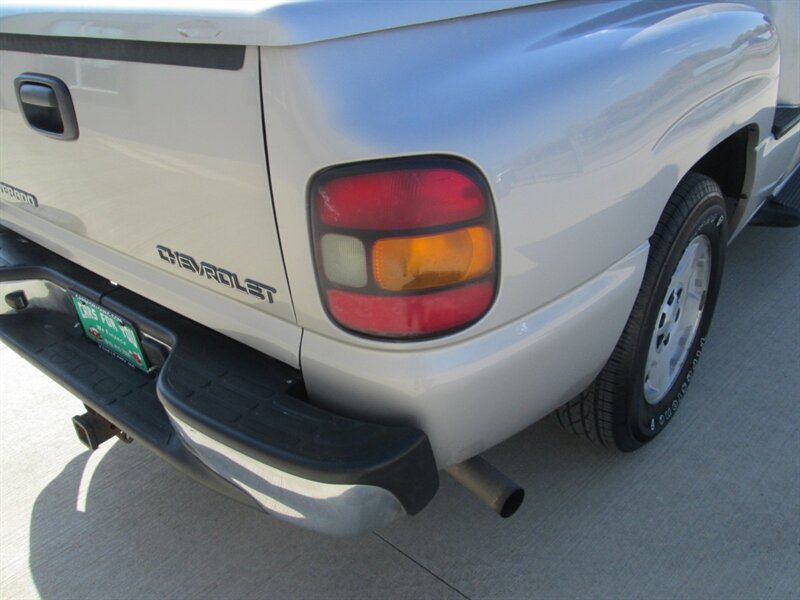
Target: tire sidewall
(645, 421)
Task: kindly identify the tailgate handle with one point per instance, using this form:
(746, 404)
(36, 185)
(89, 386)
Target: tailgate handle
(38, 95)
(46, 105)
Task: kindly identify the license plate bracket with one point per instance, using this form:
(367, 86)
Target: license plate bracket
(112, 333)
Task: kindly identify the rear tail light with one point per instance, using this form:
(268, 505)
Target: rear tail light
(404, 248)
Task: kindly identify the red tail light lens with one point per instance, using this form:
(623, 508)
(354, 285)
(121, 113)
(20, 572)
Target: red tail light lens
(408, 199)
(404, 248)
(404, 316)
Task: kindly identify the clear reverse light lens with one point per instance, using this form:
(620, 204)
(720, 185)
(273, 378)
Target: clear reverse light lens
(344, 260)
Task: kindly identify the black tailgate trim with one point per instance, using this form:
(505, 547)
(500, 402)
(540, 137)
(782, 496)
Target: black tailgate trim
(207, 56)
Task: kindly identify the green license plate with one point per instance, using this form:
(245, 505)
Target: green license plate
(111, 332)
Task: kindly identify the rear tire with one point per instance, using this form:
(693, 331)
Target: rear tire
(641, 387)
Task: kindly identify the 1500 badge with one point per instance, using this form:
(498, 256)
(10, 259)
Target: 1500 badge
(18, 195)
(218, 274)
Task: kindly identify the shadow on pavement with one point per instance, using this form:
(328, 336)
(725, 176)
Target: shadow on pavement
(149, 531)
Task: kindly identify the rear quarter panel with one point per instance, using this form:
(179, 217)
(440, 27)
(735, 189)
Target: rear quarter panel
(582, 116)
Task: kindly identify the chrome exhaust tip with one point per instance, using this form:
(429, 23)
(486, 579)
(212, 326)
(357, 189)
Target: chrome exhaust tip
(92, 429)
(492, 487)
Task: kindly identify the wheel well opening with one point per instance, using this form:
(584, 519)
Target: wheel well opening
(726, 163)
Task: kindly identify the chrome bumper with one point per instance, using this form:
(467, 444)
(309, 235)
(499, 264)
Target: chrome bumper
(335, 509)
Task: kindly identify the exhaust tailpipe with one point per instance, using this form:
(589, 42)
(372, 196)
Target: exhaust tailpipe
(494, 488)
(93, 430)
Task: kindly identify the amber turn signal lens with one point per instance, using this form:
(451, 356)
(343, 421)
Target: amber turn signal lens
(430, 261)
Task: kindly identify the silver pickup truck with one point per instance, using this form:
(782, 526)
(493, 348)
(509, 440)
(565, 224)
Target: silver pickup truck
(315, 253)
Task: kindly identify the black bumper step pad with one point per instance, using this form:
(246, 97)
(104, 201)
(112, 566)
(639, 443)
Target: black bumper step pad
(71, 359)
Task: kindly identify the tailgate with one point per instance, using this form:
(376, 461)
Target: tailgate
(165, 190)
